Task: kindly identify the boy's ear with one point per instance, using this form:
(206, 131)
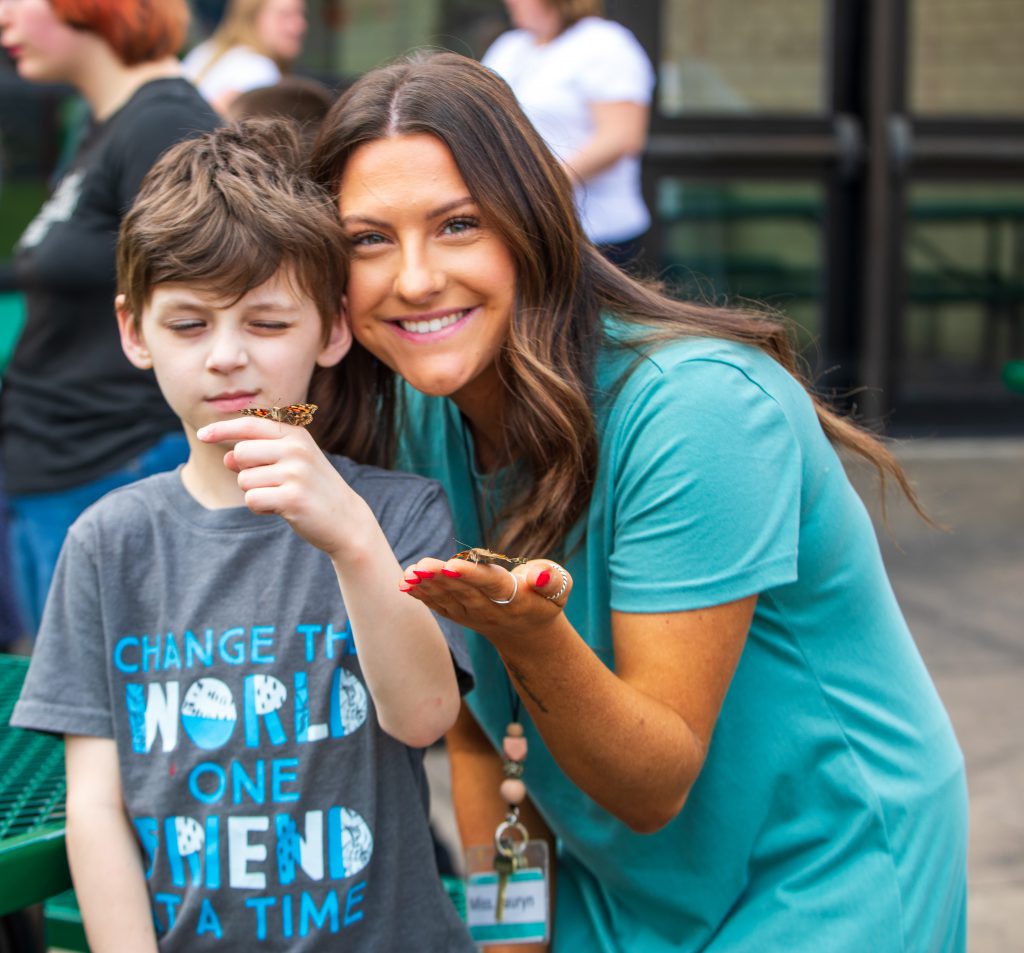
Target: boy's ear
(338, 343)
(132, 344)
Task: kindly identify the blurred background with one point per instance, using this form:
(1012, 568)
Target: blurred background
(858, 165)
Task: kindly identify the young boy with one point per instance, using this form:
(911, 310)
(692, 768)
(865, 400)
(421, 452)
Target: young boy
(243, 688)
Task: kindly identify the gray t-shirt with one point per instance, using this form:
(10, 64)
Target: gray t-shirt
(271, 810)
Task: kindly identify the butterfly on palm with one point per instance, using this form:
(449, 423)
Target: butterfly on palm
(477, 554)
(301, 415)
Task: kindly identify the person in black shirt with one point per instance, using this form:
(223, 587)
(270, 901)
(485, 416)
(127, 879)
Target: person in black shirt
(77, 419)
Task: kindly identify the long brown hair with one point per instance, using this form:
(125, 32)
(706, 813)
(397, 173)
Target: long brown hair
(563, 287)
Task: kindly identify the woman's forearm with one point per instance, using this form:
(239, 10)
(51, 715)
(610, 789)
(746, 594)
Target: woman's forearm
(631, 753)
(634, 739)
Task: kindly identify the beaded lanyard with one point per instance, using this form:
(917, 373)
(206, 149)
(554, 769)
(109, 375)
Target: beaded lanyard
(514, 748)
(511, 836)
(510, 849)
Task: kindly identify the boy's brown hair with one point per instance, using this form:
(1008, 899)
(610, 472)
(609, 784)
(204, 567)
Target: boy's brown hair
(224, 212)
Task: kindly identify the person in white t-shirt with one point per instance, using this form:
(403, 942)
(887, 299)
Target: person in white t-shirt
(253, 46)
(585, 83)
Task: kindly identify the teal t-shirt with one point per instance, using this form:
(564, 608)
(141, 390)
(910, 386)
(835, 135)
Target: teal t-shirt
(831, 810)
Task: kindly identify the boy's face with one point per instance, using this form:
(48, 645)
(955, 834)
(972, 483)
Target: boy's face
(212, 358)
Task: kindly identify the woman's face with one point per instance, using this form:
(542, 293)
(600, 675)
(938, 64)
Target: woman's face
(281, 26)
(42, 45)
(432, 284)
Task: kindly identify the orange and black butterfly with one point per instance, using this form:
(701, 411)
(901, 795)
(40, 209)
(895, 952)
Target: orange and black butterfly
(477, 554)
(301, 415)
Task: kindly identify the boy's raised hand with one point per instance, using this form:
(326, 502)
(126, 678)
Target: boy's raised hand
(405, 658)
(282, 471)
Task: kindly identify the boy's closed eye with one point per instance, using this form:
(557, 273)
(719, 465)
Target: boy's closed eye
(186, 325)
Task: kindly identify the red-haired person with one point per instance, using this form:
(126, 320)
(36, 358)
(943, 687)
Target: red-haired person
(77, 419)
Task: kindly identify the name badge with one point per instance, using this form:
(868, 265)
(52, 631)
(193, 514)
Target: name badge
(509, 906)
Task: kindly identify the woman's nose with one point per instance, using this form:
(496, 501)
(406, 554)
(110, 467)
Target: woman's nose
(419, 278)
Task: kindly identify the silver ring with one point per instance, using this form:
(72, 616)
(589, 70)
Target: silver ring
(565, 583)
(515, 589)
(507, 846)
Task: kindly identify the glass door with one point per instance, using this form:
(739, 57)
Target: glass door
(859, 166)
(956, 142)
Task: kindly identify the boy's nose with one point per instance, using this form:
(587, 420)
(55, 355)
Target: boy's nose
(227, 351)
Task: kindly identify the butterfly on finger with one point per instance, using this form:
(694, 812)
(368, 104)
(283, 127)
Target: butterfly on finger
(300, 415)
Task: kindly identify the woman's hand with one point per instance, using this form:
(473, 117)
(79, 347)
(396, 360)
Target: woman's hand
(489, 598)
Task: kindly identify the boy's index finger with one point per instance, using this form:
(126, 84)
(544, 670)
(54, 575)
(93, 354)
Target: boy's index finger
(239, 428)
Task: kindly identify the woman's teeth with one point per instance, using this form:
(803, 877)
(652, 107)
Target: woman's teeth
(434, 324)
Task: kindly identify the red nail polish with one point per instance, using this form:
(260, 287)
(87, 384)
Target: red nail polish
(542, 579)
(413, 582)
(423, 574)
(451, 573)
(404, 586)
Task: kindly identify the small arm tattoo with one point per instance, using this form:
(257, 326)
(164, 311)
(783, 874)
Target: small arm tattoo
(525, 686)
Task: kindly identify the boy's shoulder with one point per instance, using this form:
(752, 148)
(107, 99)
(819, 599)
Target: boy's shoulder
(120, 505)
(386, 482)
(123, 511)
(397, 498)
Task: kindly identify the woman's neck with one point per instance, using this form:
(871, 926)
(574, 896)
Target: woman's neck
(547, 29)
(482, 405)
(107, 84)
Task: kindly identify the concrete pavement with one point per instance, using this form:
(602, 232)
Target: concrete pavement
(963, 594)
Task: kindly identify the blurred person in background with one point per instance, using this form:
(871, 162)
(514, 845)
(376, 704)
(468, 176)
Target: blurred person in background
(585, 83)
(254, 45)
(10, 625)
(76, 419)
(301, 98)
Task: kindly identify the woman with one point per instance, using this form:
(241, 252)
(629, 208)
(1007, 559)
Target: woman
(585, 83)
(730, 731)
(253, 46)
(77, 418)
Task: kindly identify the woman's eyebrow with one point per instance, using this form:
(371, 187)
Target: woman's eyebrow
(437, 212)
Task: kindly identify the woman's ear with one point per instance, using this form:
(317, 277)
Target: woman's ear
(132, 344)
(338, 343)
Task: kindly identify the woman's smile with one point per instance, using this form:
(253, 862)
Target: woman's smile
(430, 327)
